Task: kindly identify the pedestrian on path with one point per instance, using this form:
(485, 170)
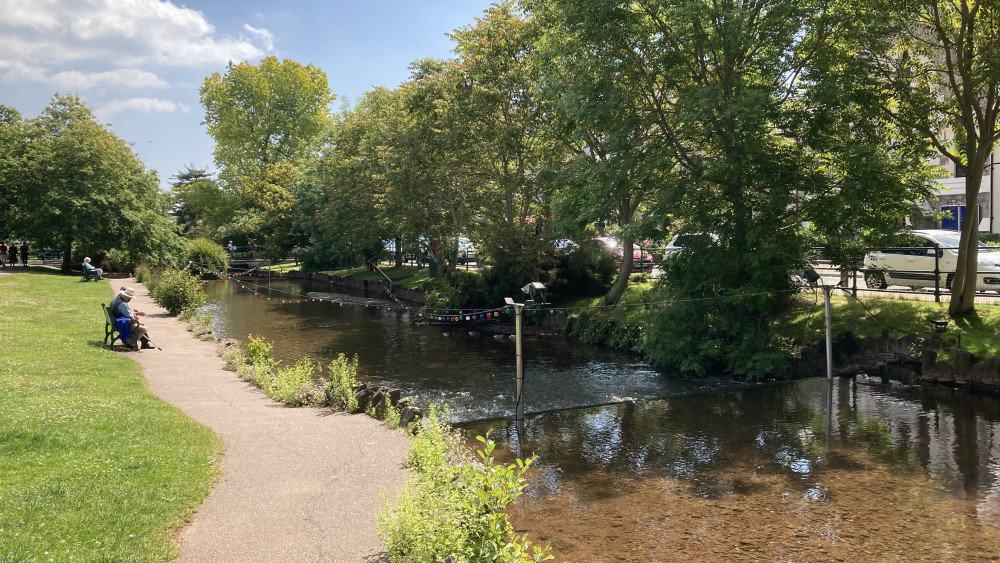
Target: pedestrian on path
(3, 254)
(12, 254)
(24, 253)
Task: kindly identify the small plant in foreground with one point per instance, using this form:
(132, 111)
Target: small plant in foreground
(341, 382)
(291, 385)
(453, 507)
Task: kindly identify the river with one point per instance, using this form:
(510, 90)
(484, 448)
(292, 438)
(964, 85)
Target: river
(667, 468)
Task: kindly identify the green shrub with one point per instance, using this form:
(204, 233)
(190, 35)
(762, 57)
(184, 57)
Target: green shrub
(258, 352)
(143, 272)
(177, 290)
(452, 507)
(606, 330)
(209, 256)
(340, 383)
(291, 385)
(117, 260)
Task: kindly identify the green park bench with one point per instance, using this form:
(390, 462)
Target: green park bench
(110, 330)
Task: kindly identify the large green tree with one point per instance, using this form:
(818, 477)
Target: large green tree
(264, 114)
(342, 198)
(612, 167)
(85, 188)
(507, 138)
(949, 73)
(267, 120)
(720, 86)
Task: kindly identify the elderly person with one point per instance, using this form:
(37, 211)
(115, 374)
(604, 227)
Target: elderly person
(127, 320)
(91, 270)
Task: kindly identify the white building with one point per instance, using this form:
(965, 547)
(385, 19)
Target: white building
(950, 191)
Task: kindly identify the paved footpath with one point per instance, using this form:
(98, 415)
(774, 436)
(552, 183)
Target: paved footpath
(298, 484)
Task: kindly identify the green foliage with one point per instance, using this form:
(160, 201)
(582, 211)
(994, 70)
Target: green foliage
(118, 261)
(258, 352)
(584, 272)
(208, 255)
(177, 290)
(603, 329)
(69, 182)
(291, 385)
(455, 507)
(340, 383)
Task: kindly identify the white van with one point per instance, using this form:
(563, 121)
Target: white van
(911, 262)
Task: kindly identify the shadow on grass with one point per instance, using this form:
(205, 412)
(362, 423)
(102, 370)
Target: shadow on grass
(969, 321)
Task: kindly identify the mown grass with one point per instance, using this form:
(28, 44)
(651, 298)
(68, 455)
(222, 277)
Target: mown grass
(409, 277)
(93, 467)
(872, 315)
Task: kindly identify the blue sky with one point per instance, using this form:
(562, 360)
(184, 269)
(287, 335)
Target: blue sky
(139, 63)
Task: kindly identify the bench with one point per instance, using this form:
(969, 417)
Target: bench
(110, 329)
(89, 275)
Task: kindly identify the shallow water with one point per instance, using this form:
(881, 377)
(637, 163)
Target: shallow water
(753, 474)
(460, 364)
(687, 470)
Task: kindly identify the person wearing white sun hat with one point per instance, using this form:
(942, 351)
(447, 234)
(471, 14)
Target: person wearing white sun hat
(135, 332)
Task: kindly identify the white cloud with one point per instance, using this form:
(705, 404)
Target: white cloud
(122, 32)
(123, 77)
(262, 35)
(81, 80)
(143, 105)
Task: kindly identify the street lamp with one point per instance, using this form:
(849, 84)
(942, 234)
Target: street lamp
(536, 294)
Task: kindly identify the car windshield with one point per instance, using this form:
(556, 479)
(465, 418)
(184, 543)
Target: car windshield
(952, 242)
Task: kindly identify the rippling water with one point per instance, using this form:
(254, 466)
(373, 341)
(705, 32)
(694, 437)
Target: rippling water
(454, 363)
(686, 470)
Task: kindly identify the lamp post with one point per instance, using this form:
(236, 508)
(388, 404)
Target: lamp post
(536, 293)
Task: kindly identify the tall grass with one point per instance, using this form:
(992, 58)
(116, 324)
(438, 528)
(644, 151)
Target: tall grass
(93, 467)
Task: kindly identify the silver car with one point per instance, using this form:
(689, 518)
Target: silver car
(911, 263)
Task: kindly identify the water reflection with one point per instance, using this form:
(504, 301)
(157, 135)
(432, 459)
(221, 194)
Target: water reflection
(470, 370)
(929, 455)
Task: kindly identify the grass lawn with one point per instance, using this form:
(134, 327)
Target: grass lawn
(410, 277)
(93, 467)
(870, 316)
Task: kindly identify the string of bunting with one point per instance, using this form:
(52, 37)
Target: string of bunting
(466, 315)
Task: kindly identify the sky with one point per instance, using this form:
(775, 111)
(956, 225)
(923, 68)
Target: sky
(138, 64)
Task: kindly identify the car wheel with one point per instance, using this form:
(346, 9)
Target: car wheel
(875, 280)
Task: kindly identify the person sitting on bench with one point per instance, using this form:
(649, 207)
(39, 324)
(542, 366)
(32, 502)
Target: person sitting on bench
(90, 270)
(121, 310)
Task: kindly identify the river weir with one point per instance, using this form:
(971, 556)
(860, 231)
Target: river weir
(636, 465)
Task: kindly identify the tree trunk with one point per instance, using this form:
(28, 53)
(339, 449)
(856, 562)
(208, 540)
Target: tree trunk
(621, 282)
(67, 255)
(963, 288)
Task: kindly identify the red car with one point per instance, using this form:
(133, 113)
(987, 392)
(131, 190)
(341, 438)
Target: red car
(640, 258)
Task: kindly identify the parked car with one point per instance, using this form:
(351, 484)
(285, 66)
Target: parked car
(684, 240)
(466, 251)
(641, 259)
(911, 262)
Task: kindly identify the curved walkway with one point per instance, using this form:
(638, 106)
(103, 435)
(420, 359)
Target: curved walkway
(298, 484)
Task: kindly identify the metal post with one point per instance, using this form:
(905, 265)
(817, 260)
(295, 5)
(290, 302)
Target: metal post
(937, 276)
(519, 417)
(829, 332)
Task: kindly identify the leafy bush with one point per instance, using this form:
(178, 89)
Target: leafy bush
(209, 255)
(291, 385)
(258, 352)
(452, 507)
(606, 330)
(177, 290)
(144, 274)
(586, 271)
(118, 261)
(340, 383)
